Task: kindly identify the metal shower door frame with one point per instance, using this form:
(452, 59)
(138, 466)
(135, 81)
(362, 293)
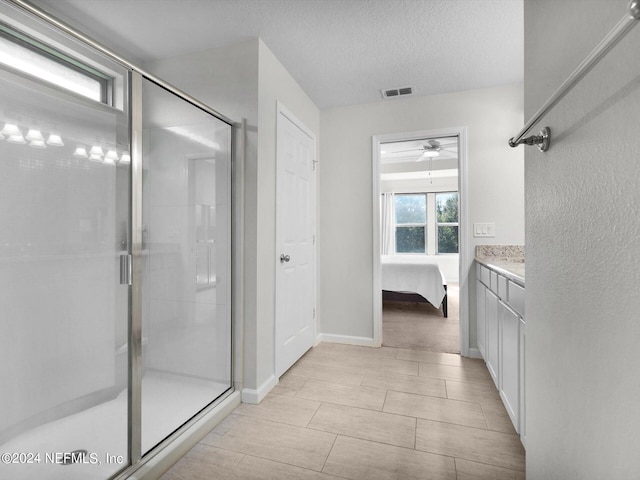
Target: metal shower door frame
(136, 77)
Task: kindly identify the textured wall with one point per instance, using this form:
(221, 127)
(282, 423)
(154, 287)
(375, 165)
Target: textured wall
(583, 248)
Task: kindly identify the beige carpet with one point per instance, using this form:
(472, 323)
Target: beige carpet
(420, 326)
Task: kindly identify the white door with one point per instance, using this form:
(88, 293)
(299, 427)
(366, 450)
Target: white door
(295, 239)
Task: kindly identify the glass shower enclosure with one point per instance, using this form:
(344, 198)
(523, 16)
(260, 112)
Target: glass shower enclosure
(115, 249)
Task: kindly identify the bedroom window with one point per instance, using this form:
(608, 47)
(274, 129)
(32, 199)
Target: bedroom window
(411, 223)
(447, 222)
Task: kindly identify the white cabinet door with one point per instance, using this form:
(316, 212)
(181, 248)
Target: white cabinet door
(510, 362)
(492, 338)
(516, 298)
(523, 408)
(481, 292)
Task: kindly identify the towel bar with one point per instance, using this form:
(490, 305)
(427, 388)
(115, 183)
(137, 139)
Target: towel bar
(543, 139)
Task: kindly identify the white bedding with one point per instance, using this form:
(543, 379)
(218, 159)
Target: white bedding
(414, 274)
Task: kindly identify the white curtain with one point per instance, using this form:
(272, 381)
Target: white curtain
(387, 224)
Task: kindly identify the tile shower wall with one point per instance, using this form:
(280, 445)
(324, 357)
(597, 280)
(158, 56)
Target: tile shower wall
(63, 311)
(186, 324)
(178, 190)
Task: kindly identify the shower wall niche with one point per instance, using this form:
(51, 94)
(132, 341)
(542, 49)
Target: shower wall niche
(85, 375)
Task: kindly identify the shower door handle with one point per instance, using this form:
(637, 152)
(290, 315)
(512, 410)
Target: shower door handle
(125, 269)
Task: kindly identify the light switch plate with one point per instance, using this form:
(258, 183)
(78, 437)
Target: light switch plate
(484, 229)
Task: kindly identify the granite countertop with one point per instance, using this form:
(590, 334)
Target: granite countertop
(507, 260)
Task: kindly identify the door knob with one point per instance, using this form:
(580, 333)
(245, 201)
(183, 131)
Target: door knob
(284, 258)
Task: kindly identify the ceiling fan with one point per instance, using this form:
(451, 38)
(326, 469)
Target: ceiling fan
(430, 149)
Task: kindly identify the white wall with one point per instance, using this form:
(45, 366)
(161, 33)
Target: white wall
(275, 84)
(583, 248)
(245, 81)
(495, 193)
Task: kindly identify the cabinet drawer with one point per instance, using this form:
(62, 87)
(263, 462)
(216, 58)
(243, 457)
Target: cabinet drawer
(516, 297)
(502, 287)
(484, 275)
(494, 282)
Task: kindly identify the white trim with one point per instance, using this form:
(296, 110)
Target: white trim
(347, 340)
(464, 261)
(474, 353)
(281, 109)
(376, 141)
(377, 281)
(156, 466)
(255, 396)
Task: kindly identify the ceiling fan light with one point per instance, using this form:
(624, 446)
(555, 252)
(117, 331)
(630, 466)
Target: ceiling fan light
(431, 153)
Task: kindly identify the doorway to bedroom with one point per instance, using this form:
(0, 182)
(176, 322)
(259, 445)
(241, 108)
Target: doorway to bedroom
(418, 179)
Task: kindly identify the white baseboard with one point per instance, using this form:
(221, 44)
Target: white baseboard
(346, 339)
(474, 353)
(157, 465)
(255, 396)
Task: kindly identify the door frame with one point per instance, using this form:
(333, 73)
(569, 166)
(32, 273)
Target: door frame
(377, 141)
(282, 111)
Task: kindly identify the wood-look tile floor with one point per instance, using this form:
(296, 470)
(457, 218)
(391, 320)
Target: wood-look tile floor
(366, 413)
(421, 326)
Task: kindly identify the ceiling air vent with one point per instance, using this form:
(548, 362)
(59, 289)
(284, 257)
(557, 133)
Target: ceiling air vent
(396, 92)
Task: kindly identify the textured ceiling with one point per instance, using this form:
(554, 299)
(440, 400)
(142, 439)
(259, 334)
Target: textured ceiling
(341, 52)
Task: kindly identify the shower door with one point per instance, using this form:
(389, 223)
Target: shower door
(186, 318)
(64, 216)
(115, 251)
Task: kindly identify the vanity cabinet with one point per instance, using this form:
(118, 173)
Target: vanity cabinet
(510, 361)
(481, 296)
(501, 339)
(492, 336)
(523, 423)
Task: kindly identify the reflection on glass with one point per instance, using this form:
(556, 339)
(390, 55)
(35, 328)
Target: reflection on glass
(186, 313)
(411, 208)
(63, 313)
(34, 63)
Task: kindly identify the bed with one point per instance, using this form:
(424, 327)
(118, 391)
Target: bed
(414, 278)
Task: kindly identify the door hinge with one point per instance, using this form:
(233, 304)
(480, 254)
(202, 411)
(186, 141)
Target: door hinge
(314, 239)
(314, 163)
(314, 313)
